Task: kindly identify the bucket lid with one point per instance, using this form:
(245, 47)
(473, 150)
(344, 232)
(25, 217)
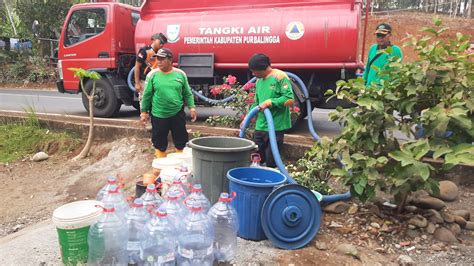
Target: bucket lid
(162, 163)
(291, 216)
(169, 172)
(188, 151)
(84, 212)
(180, 155)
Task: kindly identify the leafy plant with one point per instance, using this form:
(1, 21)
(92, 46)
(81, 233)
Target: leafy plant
(196, 134)
(429, 102)
(91, 95)
(314, 169)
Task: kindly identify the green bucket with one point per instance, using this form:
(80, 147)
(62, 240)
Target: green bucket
(72, 222)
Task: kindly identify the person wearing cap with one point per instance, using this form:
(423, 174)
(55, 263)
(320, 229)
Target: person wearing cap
(273, 91)
(167, 91)
(146, 60)
(377, 59)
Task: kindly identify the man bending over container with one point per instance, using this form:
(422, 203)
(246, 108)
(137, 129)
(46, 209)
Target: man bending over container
(166, 93)
(273, 91)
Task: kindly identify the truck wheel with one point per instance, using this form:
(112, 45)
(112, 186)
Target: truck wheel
(301, 106)
(106, 103)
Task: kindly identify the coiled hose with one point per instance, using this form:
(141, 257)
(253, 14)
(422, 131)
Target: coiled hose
(196, 93)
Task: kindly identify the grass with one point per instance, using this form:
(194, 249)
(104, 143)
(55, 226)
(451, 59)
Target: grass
(23, 139)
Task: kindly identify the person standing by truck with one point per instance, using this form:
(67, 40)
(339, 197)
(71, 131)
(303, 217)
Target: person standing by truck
(273, 90)
(146, 60)
(377, 57)
(166, 93)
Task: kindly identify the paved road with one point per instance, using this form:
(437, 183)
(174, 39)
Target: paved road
(46, 101)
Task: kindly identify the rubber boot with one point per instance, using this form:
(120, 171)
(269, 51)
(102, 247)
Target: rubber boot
(160, 154)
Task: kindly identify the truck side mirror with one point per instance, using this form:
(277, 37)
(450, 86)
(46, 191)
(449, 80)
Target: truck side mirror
(35, 28)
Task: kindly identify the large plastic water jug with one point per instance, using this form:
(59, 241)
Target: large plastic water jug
(108, 239)
(159, 246)
(226, 223)
(195, 243)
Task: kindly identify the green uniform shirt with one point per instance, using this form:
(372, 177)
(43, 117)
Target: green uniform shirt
(276, 87)
(371, 74)
(165, 93)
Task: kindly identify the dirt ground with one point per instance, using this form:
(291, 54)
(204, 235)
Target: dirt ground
(31, 191)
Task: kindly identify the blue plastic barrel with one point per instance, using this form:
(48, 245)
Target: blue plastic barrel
(252, 186)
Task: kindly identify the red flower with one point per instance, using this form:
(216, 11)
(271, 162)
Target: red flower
(249, 100)
(231, 80)
(296, 109)
(226, 87)
(216, 90)
(248, 86)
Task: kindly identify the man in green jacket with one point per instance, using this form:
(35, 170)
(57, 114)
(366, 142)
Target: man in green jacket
(166, 92)
(272, 90)
(377, 58)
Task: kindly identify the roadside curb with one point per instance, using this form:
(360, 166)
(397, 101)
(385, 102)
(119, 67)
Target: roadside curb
(111, 129)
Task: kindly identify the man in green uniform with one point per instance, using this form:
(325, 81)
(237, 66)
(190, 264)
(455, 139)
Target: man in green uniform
(166, 93)
(377, 58)
(272, 90)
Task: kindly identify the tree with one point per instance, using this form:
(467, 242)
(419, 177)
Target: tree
(430, 101)
(94, 76)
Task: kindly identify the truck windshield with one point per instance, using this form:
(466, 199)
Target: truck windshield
(135, 18)
(84, 24)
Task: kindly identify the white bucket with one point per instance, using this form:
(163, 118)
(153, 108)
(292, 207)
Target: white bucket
(167, 176)
(72, 222)
(166, 162)
(187, 158)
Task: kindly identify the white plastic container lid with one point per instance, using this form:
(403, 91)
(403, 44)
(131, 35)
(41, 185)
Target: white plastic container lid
(167, 162)
(185, 157)
(77, 214)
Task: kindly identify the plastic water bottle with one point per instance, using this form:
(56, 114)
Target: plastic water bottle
(226, 223)
(175, 209)
(177, 187)
(186, 178)
(159, 246)
(256, 159)
(195, 244)
(136, 217)
(115, 198)
(150, 198)
(108, 239)
(197, 195)
(111, 180)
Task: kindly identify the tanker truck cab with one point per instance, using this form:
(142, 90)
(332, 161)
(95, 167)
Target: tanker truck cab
(99, 37)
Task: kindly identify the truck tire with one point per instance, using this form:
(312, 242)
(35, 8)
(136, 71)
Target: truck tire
(136, 105)
(106, 103)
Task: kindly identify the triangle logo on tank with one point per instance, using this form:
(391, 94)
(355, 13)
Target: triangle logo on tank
(172, 32)
(294, 30)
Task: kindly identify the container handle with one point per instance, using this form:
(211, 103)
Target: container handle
(120, 181)
(130, 200)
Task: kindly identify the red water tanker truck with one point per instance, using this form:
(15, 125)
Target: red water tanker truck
(319, 41)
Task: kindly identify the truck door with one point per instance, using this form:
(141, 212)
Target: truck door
(86, 42)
